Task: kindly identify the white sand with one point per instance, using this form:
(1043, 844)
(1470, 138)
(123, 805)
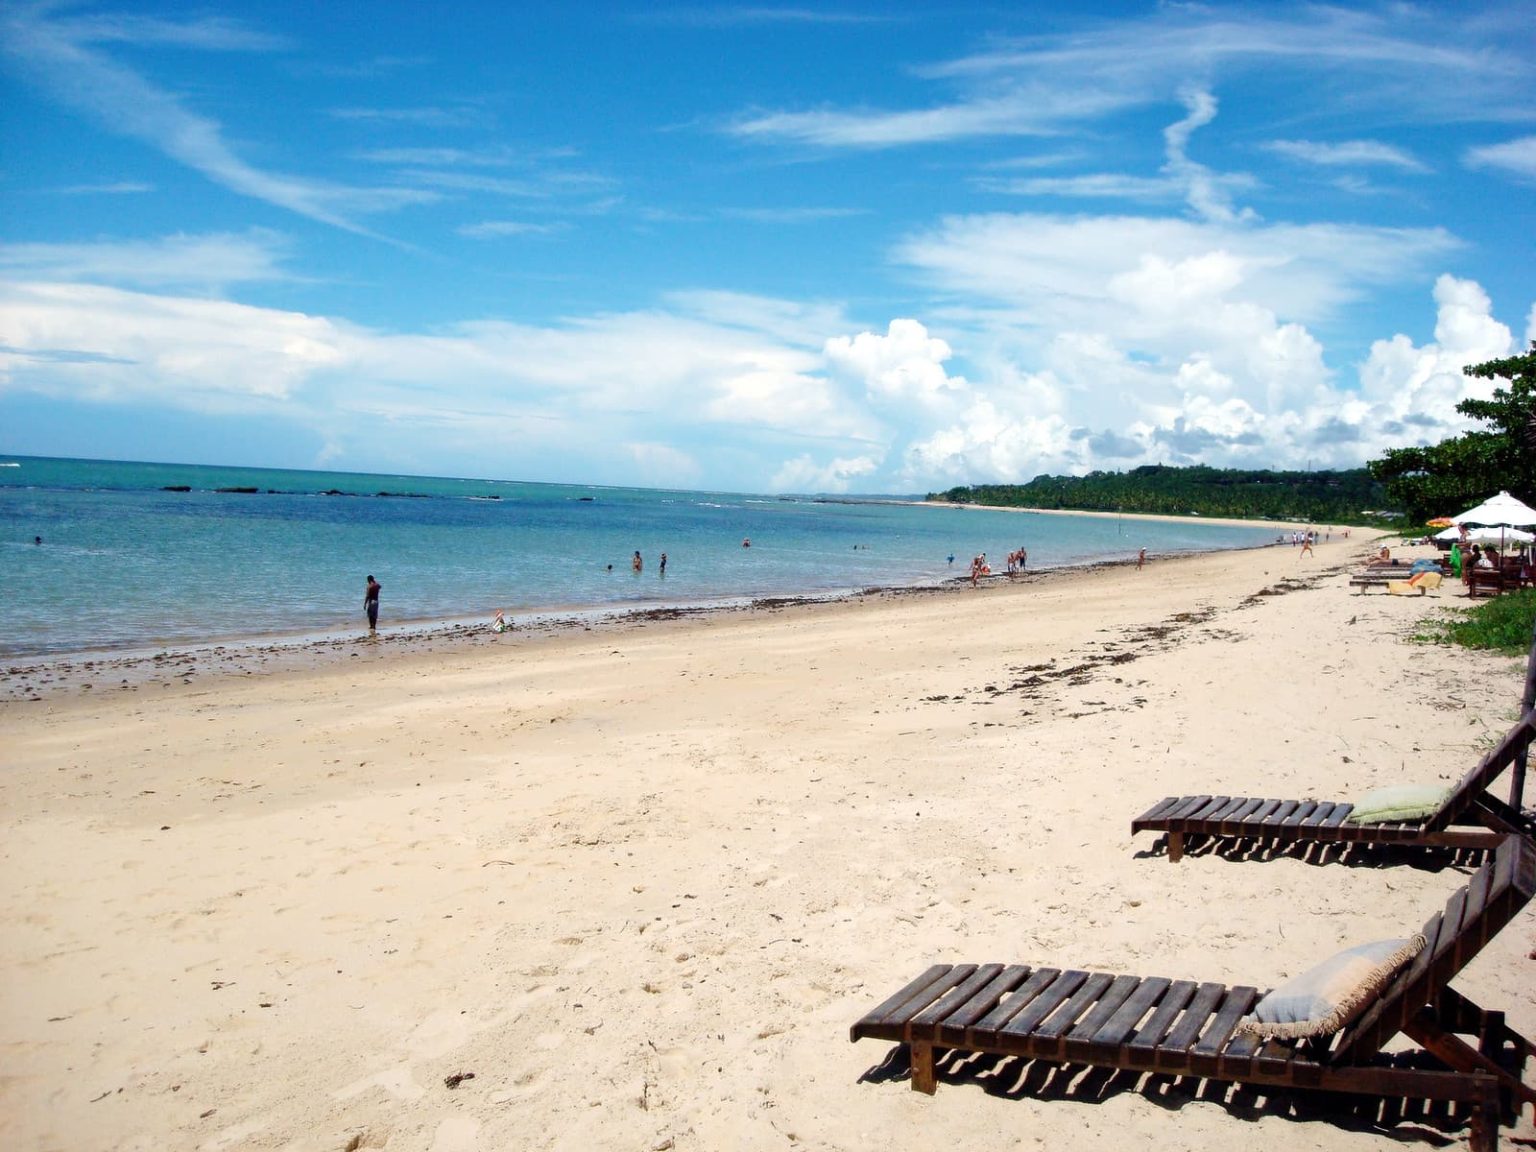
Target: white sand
(640, 881)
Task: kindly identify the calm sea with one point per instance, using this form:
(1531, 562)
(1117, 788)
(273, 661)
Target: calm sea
(152, 555)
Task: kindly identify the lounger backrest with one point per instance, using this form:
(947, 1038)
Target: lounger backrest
(1488, 769)
(1473, 916)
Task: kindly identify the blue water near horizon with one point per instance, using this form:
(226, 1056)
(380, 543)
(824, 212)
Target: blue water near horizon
(129, 562)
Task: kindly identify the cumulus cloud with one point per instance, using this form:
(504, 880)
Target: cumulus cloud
(903, 367)
(1169, 359)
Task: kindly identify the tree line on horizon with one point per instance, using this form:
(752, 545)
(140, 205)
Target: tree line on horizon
(1349, 496)
(1406, 485)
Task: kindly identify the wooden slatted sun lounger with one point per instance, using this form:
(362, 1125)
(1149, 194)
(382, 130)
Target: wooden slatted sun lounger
(1189, 1028)
(1378, 577)
(1469, 817)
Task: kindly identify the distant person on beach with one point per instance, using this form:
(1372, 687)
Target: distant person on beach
(978, 567)
(500, 625)
(371, 603)
(663, 563)
(1306, 545)
(637, 564)
(1141, 559)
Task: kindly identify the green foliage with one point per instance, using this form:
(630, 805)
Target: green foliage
(1345, 497)
(1502, 624)
(1443, 479)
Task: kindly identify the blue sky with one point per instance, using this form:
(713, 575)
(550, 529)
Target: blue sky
(805, 248)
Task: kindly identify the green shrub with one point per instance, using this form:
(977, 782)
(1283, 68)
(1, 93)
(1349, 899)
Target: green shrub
(1502, 624)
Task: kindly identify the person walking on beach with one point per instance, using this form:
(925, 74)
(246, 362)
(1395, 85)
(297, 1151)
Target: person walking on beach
(1141, 559)
(371, 603)
(1306, 545)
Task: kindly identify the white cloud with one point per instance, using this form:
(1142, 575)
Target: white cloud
(905, 366)
(495, 229)
(803, 474)
(1409, 394)
(208, 262)
(1039, 273)
(56, 55)
(663, 465)
(115, 188)
(1404, 59)
(1095, 185)
(1170, 359)
(85, 341)
(1347, 153)
(1515, 157)
(208, 33)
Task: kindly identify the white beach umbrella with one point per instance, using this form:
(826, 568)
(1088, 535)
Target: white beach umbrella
(1501, 509)
(1499, 535)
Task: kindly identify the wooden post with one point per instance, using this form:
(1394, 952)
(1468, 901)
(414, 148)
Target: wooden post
(1175, 847)
(1527, 702)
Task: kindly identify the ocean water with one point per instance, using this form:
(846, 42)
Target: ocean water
(145, 556)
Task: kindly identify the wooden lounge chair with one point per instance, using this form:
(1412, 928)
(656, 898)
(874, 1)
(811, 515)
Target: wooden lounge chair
(1469, 817)
(1185, 1028)
(1485, 581)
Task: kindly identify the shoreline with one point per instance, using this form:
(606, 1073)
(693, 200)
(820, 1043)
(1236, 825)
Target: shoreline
(33, 678)
(1166, 518)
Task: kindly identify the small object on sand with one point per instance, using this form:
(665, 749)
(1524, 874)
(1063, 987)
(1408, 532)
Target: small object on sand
(458, 1078)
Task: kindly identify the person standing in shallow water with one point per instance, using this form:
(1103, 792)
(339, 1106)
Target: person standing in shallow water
(371, 603)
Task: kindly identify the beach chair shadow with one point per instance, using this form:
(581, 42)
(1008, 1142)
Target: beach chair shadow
(1431, 1122)
(1065, 1033)
(1322, 854)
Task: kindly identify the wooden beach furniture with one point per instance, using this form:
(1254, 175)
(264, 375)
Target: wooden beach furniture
(1468, 817)
(1377, 577)
(1189, 1028)
(1484, 581)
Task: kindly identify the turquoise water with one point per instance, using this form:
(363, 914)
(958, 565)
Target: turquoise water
(125, 563)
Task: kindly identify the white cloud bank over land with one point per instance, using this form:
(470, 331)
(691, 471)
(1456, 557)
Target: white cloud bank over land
(1167, 355)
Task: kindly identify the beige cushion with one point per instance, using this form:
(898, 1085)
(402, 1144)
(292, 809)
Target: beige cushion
(1398, 802)
(1325, 998)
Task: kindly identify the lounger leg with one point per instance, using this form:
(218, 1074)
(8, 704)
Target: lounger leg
(922, 1068)
(1175, 847)
(1484, 1136)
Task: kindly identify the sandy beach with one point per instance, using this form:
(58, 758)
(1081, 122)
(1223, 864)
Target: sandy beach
(627, 887)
